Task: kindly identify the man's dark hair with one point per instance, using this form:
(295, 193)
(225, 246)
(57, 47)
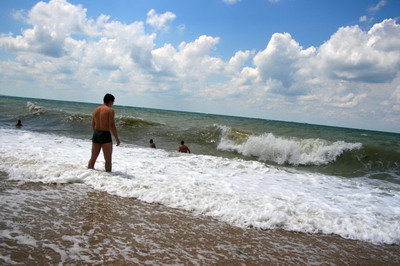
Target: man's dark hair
(108, 98)
(182, 142)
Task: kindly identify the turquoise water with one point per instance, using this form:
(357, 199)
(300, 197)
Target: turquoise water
(318, 149)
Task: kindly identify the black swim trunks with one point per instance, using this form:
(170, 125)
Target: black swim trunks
(101, 137)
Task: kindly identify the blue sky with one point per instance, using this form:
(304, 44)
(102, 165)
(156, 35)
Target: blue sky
(323, 62)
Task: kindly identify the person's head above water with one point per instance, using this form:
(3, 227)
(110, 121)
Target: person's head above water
(108, 98)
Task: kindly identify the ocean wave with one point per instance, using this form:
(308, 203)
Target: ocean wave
(130, 121)
(57, 118)
(293, 151)
(79, 117)
(35, 109)
(242, 193)
(212, 134)
(53, 117)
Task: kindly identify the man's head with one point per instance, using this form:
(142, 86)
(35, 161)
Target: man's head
(108, 98)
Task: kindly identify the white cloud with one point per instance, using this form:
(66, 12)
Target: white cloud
(181, 28)
(53, 23)
(396, 95)
(282, 59)
(352, 71)
(372, 11)
(238, 60)
(363, 19)
(59, 18)
(349, 100)
(159, 22)
(394, 100)
(355, 72)
(231, 1)
(378, 6)
(194, 54)
(189, 66)
(354, 55)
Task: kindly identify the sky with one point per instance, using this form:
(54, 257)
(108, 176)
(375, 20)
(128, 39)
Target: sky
(331, 62)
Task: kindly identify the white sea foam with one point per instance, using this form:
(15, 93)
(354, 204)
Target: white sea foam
(294, 151)
(243, 193)
(35, 109)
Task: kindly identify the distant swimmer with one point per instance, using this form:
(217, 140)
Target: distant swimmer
(152, 144)
(183, 148)
(102, 123)
(19, 124)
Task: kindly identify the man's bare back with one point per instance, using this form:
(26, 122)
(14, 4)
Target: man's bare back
(183, 148)
(102, 116)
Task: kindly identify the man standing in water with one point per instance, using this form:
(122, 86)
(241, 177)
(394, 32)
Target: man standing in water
(102, 123)
(183, 147)
(152, 144)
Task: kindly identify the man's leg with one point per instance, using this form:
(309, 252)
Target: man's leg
(107, 151)
(96, 147)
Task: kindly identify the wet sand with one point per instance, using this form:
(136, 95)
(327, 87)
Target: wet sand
(48, 224)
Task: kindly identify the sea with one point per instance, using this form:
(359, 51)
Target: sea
(251, 192)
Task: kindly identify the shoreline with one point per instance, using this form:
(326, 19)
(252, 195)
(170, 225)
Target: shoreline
(74, 224)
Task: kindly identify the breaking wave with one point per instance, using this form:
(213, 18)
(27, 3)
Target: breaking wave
(281, 150)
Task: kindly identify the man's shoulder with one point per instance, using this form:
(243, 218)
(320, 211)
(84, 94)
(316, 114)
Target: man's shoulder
(104, 108)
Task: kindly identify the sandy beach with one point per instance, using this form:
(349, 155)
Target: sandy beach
(47, 224)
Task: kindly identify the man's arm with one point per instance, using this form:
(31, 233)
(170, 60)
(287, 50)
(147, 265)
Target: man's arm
(113, 128)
